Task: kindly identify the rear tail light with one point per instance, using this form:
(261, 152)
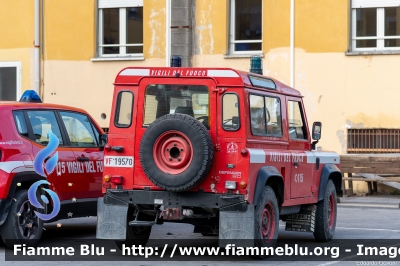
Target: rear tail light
(116, 180)
(243, 184)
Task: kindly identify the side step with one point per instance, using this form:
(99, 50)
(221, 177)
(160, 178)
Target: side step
(142, 223)
(136, 222)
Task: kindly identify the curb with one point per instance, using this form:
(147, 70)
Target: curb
(366, 205)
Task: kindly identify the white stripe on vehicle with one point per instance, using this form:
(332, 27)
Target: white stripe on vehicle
(324, 157)
(257, 155)
(260, 156)
(222, 73)
(16, 166)
(135, 72)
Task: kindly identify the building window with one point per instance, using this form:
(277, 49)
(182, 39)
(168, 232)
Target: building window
(10, 81)
(374, 27)
(373, 140)
(120, 28)
(246, 27)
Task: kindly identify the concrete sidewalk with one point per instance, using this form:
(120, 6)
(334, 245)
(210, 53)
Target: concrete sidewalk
(374, 201)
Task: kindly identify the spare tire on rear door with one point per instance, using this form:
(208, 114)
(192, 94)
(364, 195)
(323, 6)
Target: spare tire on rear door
(176, 152)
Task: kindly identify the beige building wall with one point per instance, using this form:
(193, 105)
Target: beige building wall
(72, 75)
(17, 36)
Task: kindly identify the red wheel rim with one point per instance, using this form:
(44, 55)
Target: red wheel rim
(173, 152)
(331, 211)
(268, 222)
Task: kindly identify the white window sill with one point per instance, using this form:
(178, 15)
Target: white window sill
(126, 58)
(231, 56)
(373, 52)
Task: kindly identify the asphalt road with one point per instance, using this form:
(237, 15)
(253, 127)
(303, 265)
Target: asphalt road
(352, 223)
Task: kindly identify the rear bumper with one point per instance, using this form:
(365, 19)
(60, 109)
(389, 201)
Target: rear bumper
(227, 202)
(236, 216)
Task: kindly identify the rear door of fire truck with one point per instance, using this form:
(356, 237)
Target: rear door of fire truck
(119, 152)
(231, 143)
(194, 96)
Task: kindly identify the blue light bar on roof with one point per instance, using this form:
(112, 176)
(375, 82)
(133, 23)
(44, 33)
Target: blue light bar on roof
(30, 96)
(176, 61)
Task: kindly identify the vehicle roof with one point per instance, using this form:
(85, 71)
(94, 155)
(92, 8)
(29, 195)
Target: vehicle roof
(223, 77)
(28, 105)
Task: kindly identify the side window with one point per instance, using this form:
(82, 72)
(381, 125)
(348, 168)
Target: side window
(42, 122)
(80, 129)
(123, 114)
(230, 112)
(297, 128)
(265, 113)
(273, 115)
(20, 123)
(257, 115)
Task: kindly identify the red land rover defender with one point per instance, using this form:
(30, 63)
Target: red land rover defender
(225, 150)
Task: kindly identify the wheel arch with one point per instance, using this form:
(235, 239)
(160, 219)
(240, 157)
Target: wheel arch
(269, 175)
(20, 181)
(332, 172)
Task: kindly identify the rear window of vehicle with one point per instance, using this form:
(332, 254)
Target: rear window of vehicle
(163, 99)
(20, 123)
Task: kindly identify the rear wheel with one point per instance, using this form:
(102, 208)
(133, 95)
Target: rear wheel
(22, 225)
(325, 218)
(266, 220)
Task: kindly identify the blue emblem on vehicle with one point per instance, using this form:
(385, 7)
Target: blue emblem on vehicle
(45, 170)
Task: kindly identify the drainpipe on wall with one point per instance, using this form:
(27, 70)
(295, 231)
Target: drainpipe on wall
(168, 32)
(37, 47)
(292, 43)
(181, 30)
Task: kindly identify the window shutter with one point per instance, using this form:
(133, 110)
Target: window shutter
(374, 3)
(119, 3)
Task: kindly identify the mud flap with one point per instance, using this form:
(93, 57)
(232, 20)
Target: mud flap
(236, 226)
(111, 221)
(304, 221)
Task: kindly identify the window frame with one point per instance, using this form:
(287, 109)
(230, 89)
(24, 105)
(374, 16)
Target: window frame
(118, 106)
(232, 37)
(222, 112)
(104, 4)
(14, 112)
(380, 25)
(64, 129)
(303, 120)
(59, 121)
(265, 116)
(17, 65)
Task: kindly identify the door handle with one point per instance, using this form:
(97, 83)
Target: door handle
(117, 148)
(296, 164)
(83, 159)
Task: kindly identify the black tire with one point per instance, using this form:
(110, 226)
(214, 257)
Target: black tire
(325, 217)
(266, 220)
(195, 147)
(22, 226)
(135, 235)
